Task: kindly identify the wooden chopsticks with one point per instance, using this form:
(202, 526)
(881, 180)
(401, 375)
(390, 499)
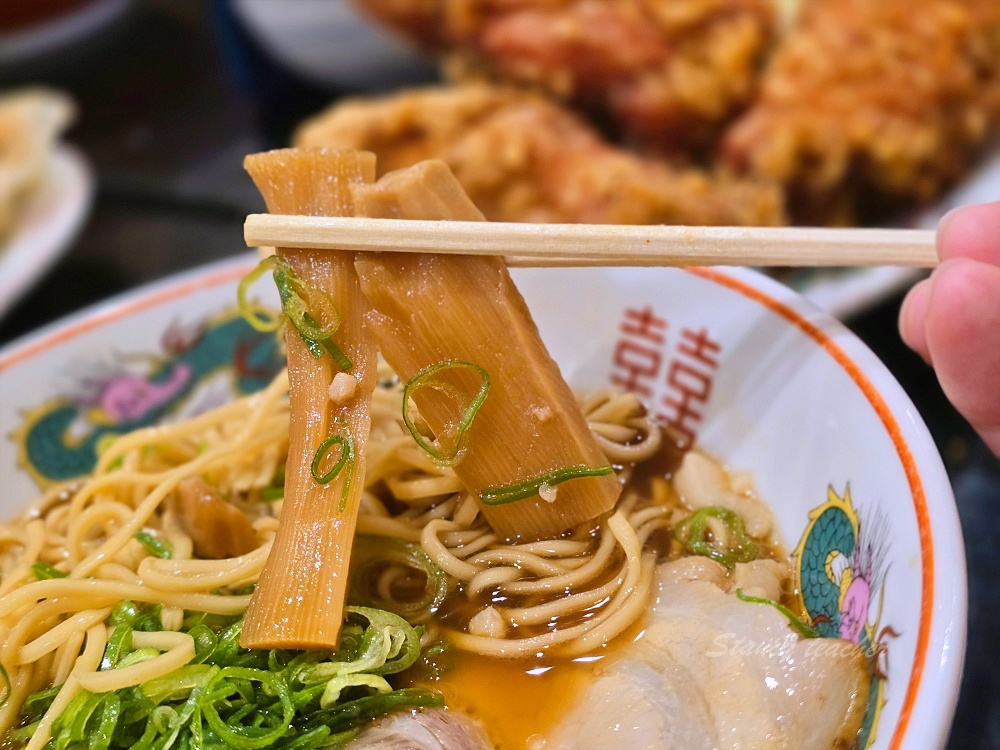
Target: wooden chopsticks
(603, 244)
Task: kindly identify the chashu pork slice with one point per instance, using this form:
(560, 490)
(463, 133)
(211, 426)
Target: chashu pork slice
(712, 671)
(433, 729)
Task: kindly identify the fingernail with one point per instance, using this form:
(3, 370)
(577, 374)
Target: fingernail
(971, 232)
(946, 221)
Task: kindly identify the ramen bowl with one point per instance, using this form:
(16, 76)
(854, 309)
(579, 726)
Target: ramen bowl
(731, 360)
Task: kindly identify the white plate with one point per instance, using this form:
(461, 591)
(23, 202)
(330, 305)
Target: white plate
(48, 225)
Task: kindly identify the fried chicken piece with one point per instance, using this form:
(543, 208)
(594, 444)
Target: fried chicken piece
(523, 158)
(668, 72)
(864, 97)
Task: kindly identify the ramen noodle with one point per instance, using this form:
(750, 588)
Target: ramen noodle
(83, 548)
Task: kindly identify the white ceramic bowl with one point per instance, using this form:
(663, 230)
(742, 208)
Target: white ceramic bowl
(760, 377)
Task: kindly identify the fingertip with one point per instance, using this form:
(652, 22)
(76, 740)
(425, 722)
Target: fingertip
(913, 317)
(971, 232)
(962, 335)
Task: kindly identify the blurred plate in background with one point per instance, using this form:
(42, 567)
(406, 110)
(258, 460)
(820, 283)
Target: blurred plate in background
(848, 292)
(329, 42)
(51, 219)
(40, 34)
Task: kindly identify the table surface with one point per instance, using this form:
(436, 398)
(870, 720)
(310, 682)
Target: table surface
(173, 96)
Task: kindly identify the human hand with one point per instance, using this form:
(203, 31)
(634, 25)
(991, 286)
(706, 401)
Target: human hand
(952, 319)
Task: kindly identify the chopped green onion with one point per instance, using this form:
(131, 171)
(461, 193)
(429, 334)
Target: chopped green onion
(372, 554)
(510, 493)
(318, 346)
(345, 462)
(23, 734)
(86, 719)
(437, 660)
(388, 644)
(272, 494)
(139, 655)
(304, 306)
(362, 710)
(323, 450)
(345, 491)
(124, 612)
(260, 319)
(693, 534)
(342, 360)
(228, 646)
(119, 643)
(331, 694)
(105, 441)
(425, 379)
(228, 696)
(44, 571)
(155, 547)
(802, 628)
(254, 734)
(147, 618)
(303, 315)
(179, 683)
(276, 489)
(36, 704)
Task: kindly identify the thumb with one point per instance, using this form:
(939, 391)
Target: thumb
(962, 335)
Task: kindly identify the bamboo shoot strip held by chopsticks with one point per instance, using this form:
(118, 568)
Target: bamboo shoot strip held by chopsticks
(299, 598)
(452, 323)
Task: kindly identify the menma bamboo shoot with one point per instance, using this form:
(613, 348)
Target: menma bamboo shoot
(299, 598)
(428, 309)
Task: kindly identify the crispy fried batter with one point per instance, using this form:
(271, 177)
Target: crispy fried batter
(666, 71)
(522, 158)
(889, 97)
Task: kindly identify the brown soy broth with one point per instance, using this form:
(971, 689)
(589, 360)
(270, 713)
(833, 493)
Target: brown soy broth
(518, 699)
(661, 465)
(514, 699)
